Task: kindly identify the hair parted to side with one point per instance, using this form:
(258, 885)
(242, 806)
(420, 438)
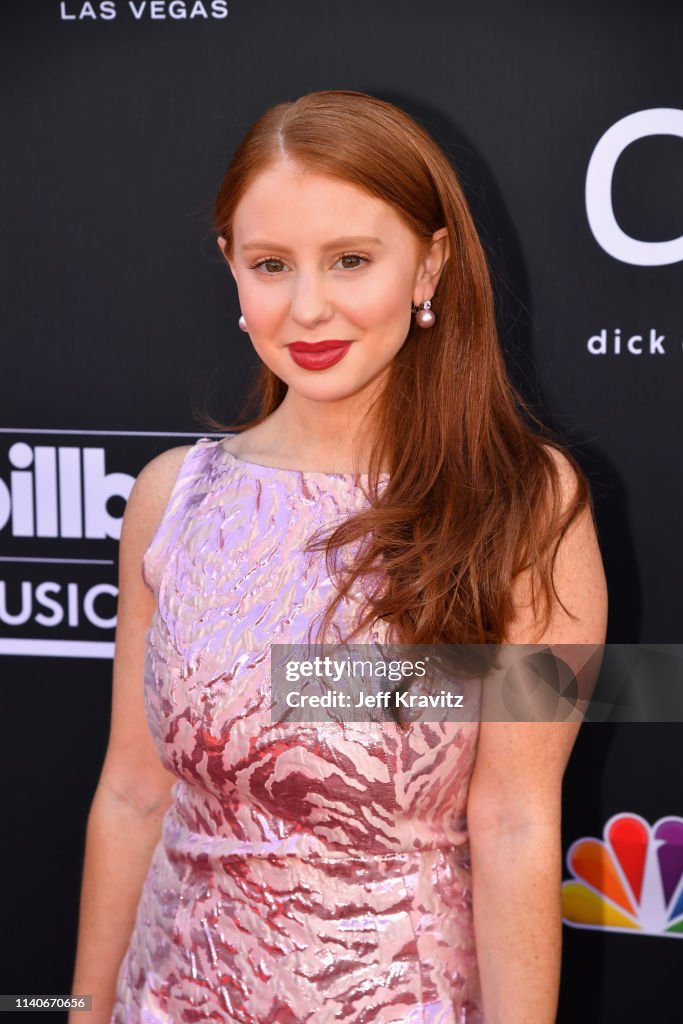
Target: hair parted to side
(474, 496)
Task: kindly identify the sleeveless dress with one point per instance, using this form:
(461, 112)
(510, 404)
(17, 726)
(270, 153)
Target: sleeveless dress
(306, 872)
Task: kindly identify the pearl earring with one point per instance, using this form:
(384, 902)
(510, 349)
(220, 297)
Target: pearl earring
(242, 323)
(425, 315)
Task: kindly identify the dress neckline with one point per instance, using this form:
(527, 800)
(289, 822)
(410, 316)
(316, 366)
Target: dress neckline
(266, 470)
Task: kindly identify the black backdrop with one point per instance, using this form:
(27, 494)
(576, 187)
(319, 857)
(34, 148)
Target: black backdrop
(120, 326)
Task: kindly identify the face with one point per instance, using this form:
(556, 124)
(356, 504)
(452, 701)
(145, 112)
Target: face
(318, 259)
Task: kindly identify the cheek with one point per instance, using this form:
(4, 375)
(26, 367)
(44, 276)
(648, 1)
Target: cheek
(382, 302)
(263, 306)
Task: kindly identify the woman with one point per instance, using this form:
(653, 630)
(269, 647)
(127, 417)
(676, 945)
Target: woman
(391, 487)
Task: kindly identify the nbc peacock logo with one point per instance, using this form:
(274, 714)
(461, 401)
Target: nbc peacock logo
(631, 881)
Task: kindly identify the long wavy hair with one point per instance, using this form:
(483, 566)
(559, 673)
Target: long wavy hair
(474, 494)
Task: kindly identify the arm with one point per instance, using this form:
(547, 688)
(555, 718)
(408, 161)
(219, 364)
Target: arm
(133, 792)
(514, 805)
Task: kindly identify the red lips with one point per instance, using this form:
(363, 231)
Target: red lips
(316, 346)
(318, 355)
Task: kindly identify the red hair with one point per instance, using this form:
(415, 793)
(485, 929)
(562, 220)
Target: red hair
(474, 496)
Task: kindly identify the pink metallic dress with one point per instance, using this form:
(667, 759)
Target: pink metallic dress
(306, 872)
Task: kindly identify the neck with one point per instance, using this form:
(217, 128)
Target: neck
(335, 436)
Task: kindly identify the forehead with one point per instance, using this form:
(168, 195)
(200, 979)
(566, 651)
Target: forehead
(287, 199)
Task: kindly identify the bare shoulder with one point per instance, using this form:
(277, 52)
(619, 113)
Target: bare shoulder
(566, 475)
(160, 472)
(150, 495)
(578, 613)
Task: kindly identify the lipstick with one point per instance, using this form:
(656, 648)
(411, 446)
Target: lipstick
(318, 355)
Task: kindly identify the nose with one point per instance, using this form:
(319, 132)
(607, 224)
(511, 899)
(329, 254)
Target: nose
(310, 302)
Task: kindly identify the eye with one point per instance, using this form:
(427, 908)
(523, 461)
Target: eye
(271, 261)
(352, 260)
(271, 265)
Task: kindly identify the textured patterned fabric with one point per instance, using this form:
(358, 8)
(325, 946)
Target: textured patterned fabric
(306, 872)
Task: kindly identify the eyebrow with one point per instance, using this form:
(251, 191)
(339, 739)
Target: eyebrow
(336, 243)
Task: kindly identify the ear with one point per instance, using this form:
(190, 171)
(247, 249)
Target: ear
(223, 246)
(431, 266)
